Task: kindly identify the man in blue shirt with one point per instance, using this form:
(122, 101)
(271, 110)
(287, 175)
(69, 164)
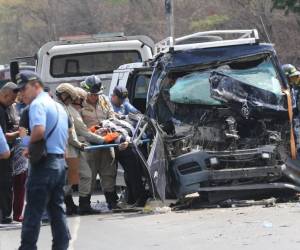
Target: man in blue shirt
(120, 102)
(4, 149)
(127, 156)
(49, 121)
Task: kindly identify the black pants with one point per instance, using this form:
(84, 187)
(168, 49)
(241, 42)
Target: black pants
(133, 174)
(5, 188)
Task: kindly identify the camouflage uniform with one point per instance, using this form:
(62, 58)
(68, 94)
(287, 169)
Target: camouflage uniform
(101, 161)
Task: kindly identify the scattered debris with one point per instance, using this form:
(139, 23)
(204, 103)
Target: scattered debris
(198, 203)
(157, 207)
(267, 224)
(100, 206)
(246, 203)
(162, 210)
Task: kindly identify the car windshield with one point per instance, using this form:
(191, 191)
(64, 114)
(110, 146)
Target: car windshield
(194, 88)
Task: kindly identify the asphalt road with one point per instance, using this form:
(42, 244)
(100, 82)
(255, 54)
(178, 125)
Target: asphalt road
(276, 228)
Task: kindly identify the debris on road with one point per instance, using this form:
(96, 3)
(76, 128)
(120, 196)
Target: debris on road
(246, 203)
(267, 224)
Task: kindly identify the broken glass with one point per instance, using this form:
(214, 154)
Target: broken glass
(194, 88)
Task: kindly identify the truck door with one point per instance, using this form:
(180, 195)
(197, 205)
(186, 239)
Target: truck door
(137, 86)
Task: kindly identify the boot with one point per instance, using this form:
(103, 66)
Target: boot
(85, 206)
(71, 208)
(115, 194)
(111, 200)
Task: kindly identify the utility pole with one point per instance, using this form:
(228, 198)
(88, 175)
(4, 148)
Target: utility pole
(169, 10)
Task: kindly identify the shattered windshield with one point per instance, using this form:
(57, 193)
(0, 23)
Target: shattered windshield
(250, 86)
(194, 88)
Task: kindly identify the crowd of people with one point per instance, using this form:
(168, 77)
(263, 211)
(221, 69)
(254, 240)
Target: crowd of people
(43, 142)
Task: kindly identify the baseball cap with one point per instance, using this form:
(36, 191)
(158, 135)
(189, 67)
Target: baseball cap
(120, 92)
(11, 85)
(24, 77)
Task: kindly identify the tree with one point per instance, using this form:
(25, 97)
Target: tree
(287, 5)
(27, 24)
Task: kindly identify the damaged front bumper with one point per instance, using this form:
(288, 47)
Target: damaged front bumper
(193, 172)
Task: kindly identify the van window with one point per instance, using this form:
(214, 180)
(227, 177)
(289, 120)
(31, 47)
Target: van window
(91, 63)
(138, 89)
(141, 86)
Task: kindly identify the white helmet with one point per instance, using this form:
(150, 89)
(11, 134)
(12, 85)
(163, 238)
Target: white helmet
(68, 89)
(81, 93)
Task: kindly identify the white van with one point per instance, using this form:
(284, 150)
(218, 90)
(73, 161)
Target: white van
(74, 58)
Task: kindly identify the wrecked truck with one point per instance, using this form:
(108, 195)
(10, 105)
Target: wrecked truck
(219, 114)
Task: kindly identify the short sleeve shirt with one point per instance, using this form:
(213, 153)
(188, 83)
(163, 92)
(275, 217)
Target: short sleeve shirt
(44, 111)
(3, 143)
(125, 108)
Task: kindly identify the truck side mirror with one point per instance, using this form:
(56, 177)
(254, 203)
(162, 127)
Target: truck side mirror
(14, 70)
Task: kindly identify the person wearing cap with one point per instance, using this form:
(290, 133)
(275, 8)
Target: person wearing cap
(75, 157)
(8, 94)
(97, 108)
(128, 158)
(120, 102)
(49, 122)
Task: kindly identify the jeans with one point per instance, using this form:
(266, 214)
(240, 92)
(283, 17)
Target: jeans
(45, 190)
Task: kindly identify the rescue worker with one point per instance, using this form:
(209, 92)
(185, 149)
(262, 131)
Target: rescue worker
(293, 76)
(97, 108)
(120, 102)
(76, 160)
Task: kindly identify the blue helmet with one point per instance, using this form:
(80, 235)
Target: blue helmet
(92, 84)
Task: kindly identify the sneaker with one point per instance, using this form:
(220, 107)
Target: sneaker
(6, 220)
(19, 219)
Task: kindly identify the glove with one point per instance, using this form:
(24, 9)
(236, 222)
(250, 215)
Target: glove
(82, 146)
(110, 137)
(94, 128)
(123, 145)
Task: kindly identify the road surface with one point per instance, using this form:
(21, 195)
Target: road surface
(276, 228)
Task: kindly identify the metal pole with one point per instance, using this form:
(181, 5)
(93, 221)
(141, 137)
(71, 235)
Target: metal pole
(169, 10)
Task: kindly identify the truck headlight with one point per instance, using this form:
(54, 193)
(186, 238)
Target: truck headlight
(213, 161)
(265, 156)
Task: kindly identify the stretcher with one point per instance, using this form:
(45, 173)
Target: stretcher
(104, 146)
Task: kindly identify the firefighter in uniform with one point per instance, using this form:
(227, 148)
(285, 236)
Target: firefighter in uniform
(75, 158)
(97, 108)
(293, 76)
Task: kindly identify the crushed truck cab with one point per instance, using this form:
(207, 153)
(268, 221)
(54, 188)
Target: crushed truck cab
(221, 109)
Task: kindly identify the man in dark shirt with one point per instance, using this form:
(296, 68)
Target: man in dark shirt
(7, 98)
